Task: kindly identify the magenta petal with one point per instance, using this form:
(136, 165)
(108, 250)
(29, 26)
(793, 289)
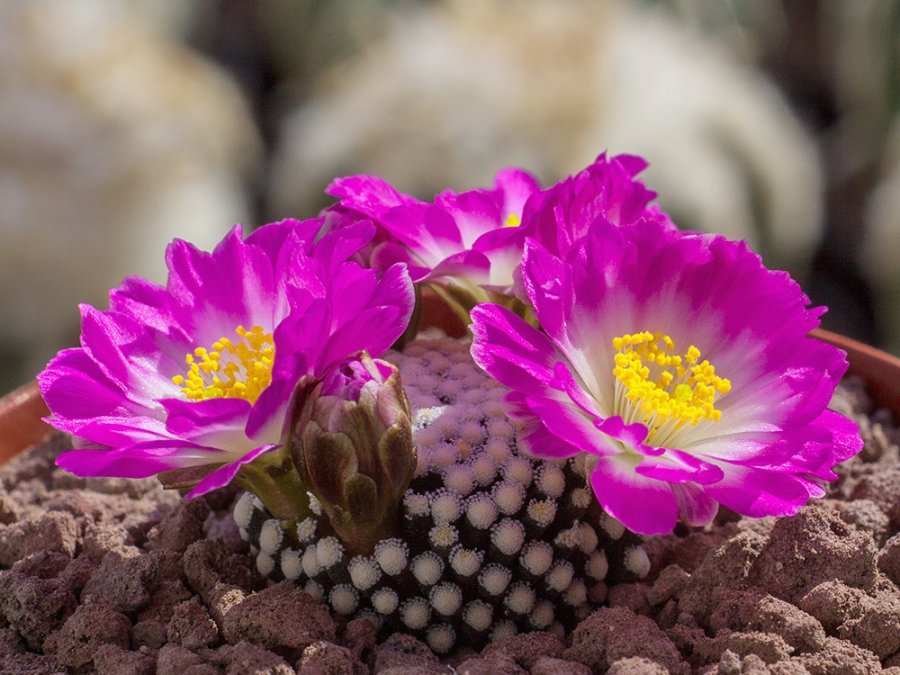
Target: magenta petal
(757, 493)
(510, 350)
(548, 284)
(534, 438)
(644, 505)
(369, 195)
(566, 421)
(140, 460)
(273, 238)
(390, 253)
(675, 466)
(188, 419)
(695, 506)
(75, 388)
(515, 186)
(225, 474)
(473, 266)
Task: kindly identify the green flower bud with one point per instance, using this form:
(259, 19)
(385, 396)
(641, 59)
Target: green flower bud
(351, 440)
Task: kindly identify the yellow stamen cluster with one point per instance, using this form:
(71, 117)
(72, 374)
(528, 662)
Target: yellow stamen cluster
(232, 369)
(669, 389)
(512, 220)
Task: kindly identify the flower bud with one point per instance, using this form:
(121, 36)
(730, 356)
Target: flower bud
(351, 440)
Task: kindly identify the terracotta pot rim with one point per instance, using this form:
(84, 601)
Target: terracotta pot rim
(22, 410)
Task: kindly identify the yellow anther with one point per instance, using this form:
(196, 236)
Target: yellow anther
(667, 389)
(240, 369)
(512, 220)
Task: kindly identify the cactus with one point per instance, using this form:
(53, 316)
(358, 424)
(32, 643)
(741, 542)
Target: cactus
(487, 543)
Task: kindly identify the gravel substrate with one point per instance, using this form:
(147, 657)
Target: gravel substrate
(116, 576)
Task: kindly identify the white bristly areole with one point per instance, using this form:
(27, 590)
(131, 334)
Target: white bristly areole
(494, 579)
(391, 555)
(536, 557)
(427, 568)
(465, 562)
(385, 600)
(508, 536)
(478, 615)
(270, 536)
(364, 572)
(415, 613)
(343, 599)
(446, 506)
(291, 564)
(329, 552)
(509, 496)
(446, 598)
(441, 638)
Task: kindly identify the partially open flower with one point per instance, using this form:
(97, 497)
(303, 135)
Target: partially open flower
(680, 366)
(352, 443)
(467, 244)
(197, 376)
(606, 190)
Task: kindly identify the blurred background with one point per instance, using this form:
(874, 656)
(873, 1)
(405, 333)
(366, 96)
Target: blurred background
(126, 123)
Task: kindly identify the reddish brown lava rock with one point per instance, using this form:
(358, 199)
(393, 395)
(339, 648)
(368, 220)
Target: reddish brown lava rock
(29, 664)
(191, 626)
(498, 664)
(99, 539)
(633, 596)
(840, 657)
(889, 559)
(246, 657)
(636, 665)
(90, 627)
(279, 616)
(549, 666)
(405, 651)
(125, 584)
(54, 531)
(182, 528)
(883, 488)
(175, 660)
(864, 515)
(208, 562)
(767, 646)
(878, 629)
(359, 637)
(812, 547)
(833, 603)
(325, 658)
(758, 611)
(669, 584)
(613, 633)
(34, 606)
(727, 566)
(526, 648)
(112, 660)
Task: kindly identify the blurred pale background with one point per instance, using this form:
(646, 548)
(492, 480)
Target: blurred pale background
(125, 124)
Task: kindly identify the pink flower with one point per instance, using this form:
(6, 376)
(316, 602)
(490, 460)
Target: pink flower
(607, 190)
(679, 366)
(467, 240)
(200, 373)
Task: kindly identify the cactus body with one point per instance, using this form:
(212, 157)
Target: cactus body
(489, 542)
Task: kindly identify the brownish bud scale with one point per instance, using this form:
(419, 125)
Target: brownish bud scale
(351, 440)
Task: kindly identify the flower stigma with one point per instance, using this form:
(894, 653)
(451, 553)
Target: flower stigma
(232, 369)
(666, 389)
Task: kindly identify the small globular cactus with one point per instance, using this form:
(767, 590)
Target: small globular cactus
(352, 444)
(488, 542)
